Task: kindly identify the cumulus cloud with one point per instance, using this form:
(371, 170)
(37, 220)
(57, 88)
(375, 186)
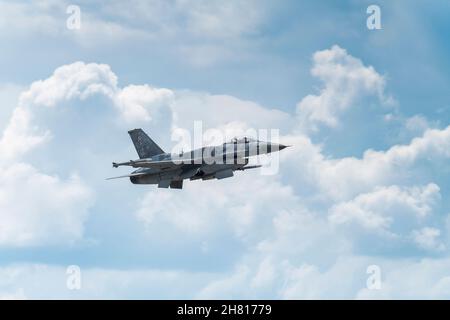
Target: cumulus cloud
(138, 102)
(134, 103)
(222, 207)
(278, 222)
(345, 279)
(307, 281)
(220, 110)
(20, 136)
(40, 281)
(17, 17)
(391, 213)
(49, 19)
(212, 18)
(13, 295)
(37, 209)
(344, 178)
(375, 210)
(411, 279)
(417, 123)
(76, 80)
(428, 238)
(9, 94)
(177, 26)
(345, 80)
(209, 20)
(70, 82)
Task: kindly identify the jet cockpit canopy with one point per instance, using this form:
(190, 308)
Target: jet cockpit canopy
(242, 140)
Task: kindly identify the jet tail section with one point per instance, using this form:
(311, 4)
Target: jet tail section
(145, 146)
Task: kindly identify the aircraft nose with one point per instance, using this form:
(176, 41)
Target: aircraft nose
(282, 146)
(271, 147)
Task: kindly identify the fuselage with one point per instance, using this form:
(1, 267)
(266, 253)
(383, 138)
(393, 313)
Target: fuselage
(202, 163)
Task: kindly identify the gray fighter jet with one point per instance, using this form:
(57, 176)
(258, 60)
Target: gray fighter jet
(169, 170)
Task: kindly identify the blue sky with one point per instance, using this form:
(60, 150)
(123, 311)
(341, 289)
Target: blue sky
(366, 182)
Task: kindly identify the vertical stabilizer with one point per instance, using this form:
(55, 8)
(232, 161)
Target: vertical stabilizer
(145, 146)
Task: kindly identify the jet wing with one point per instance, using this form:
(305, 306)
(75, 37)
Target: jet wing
(161, 165)
(171, 163)
(128, 175)
(156, 164)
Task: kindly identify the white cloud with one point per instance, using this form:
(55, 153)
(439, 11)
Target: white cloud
(391, 213)
(295, 235)
(345, 79)
(378, 209)
(307, 281)
(344, 279)
(40, 281)
(49, 18)
(9, 94)
(344, 178)
(13, 295)
(21, 18)
(428, 238)
(219, 110)
(227, 287)
(20, 136)
(37, 209)
(245, 210)
(417, 123)
(76, 80)
(209, 20)
(409, 279)
(134, 103)
(279, 222)
(177, 26)
(138, 102)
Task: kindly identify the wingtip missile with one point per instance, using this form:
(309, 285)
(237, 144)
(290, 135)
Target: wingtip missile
(249, 167)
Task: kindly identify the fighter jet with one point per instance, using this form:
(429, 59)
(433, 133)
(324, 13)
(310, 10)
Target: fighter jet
(169, 170)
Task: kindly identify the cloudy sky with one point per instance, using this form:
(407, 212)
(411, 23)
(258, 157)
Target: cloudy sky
(366, 183)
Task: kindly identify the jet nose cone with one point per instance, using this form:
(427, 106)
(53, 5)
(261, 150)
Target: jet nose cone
(282, 146)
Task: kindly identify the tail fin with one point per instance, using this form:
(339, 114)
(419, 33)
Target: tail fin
(145, 146)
